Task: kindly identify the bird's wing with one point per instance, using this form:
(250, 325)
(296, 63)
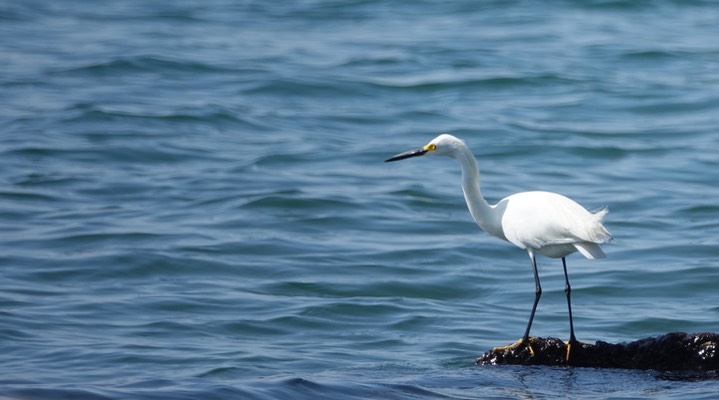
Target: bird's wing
(539, 219)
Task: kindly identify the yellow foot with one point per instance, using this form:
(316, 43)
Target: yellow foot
(516, 345)
(571, 343)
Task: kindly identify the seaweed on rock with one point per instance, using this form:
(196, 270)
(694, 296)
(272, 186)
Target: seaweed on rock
(676, 351)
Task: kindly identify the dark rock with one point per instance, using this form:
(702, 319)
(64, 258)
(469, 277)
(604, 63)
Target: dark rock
(676, 351)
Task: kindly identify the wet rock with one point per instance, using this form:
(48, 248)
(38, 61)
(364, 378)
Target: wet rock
(676, 351)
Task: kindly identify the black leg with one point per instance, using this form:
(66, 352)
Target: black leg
(537, 295)
(568, 291)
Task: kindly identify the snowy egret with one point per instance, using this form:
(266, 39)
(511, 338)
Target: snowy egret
(539, 222)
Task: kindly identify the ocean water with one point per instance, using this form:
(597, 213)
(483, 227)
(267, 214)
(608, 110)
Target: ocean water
(194, 203)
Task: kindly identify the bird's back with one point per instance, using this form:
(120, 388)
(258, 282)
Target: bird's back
(552, 224)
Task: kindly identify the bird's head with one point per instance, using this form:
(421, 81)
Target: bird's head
(444, 145)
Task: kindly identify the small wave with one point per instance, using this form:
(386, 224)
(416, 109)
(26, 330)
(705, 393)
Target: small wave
(304, 87)
(430, 83)
(82, 112)
(141, 63)
(41, 393)
(650, 55)
(303, 388)
(283, 201)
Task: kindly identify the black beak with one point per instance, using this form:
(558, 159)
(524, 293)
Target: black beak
(407, 154)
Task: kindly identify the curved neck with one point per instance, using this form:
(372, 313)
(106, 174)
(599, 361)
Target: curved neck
(481, 211)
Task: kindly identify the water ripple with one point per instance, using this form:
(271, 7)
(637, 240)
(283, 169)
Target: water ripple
(195, 204)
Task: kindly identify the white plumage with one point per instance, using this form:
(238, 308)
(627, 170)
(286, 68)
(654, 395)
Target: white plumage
(539, 222)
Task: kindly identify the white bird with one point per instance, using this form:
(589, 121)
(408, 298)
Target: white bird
(539, 222)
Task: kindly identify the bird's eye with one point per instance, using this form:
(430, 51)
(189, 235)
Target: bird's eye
(431, 147)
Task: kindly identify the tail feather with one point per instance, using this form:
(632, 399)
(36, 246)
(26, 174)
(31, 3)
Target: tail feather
(600, 212)
(600, 234)
(589, 250)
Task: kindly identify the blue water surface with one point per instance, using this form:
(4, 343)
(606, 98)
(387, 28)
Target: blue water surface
(194, 203)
